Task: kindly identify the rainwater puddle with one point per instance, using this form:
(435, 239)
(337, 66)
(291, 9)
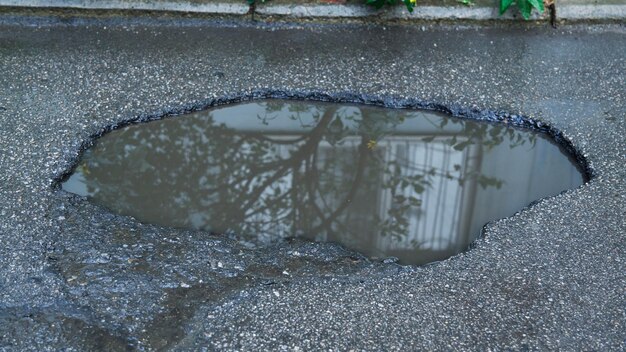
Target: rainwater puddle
(410, 184)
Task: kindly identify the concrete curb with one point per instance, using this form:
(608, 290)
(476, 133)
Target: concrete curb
(565, 12)
(174, 6)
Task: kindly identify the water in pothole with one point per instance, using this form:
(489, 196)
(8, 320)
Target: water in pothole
(409, 184)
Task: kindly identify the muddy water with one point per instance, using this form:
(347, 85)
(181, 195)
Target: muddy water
(414, 185)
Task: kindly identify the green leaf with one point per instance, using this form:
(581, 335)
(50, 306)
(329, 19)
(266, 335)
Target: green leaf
(525, 8)
(504, 5)
(538, 4)
(376, 3)
(409, 5)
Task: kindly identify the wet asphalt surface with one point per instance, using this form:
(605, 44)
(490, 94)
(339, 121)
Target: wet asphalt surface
(73, 275)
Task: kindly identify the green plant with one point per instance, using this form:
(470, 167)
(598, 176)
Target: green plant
(525, 6)
(410, 4)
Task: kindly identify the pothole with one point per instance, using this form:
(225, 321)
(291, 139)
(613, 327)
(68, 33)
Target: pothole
(410, 184)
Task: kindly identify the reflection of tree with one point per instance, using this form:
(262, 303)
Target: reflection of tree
(485, 136)
(321, 181)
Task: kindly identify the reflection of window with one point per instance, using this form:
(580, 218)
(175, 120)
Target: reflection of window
(435, 224)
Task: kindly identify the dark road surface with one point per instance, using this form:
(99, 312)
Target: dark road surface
(72, 275)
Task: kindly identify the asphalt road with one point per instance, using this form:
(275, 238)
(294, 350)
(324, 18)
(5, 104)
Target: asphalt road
(73, 275)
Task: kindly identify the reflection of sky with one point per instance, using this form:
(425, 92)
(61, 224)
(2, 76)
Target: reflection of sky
(244, 118)
(76, 184)
(239, 118)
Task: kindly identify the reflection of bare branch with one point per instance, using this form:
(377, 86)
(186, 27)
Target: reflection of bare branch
(270, 203)
(314, 138)
(269, 221)
(363, 154)
(312, 172)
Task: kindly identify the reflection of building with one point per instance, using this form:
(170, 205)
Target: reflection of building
(455, 205)
(438, 224)
(438, 227)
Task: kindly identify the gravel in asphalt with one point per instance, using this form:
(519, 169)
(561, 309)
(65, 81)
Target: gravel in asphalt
(73, 275)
